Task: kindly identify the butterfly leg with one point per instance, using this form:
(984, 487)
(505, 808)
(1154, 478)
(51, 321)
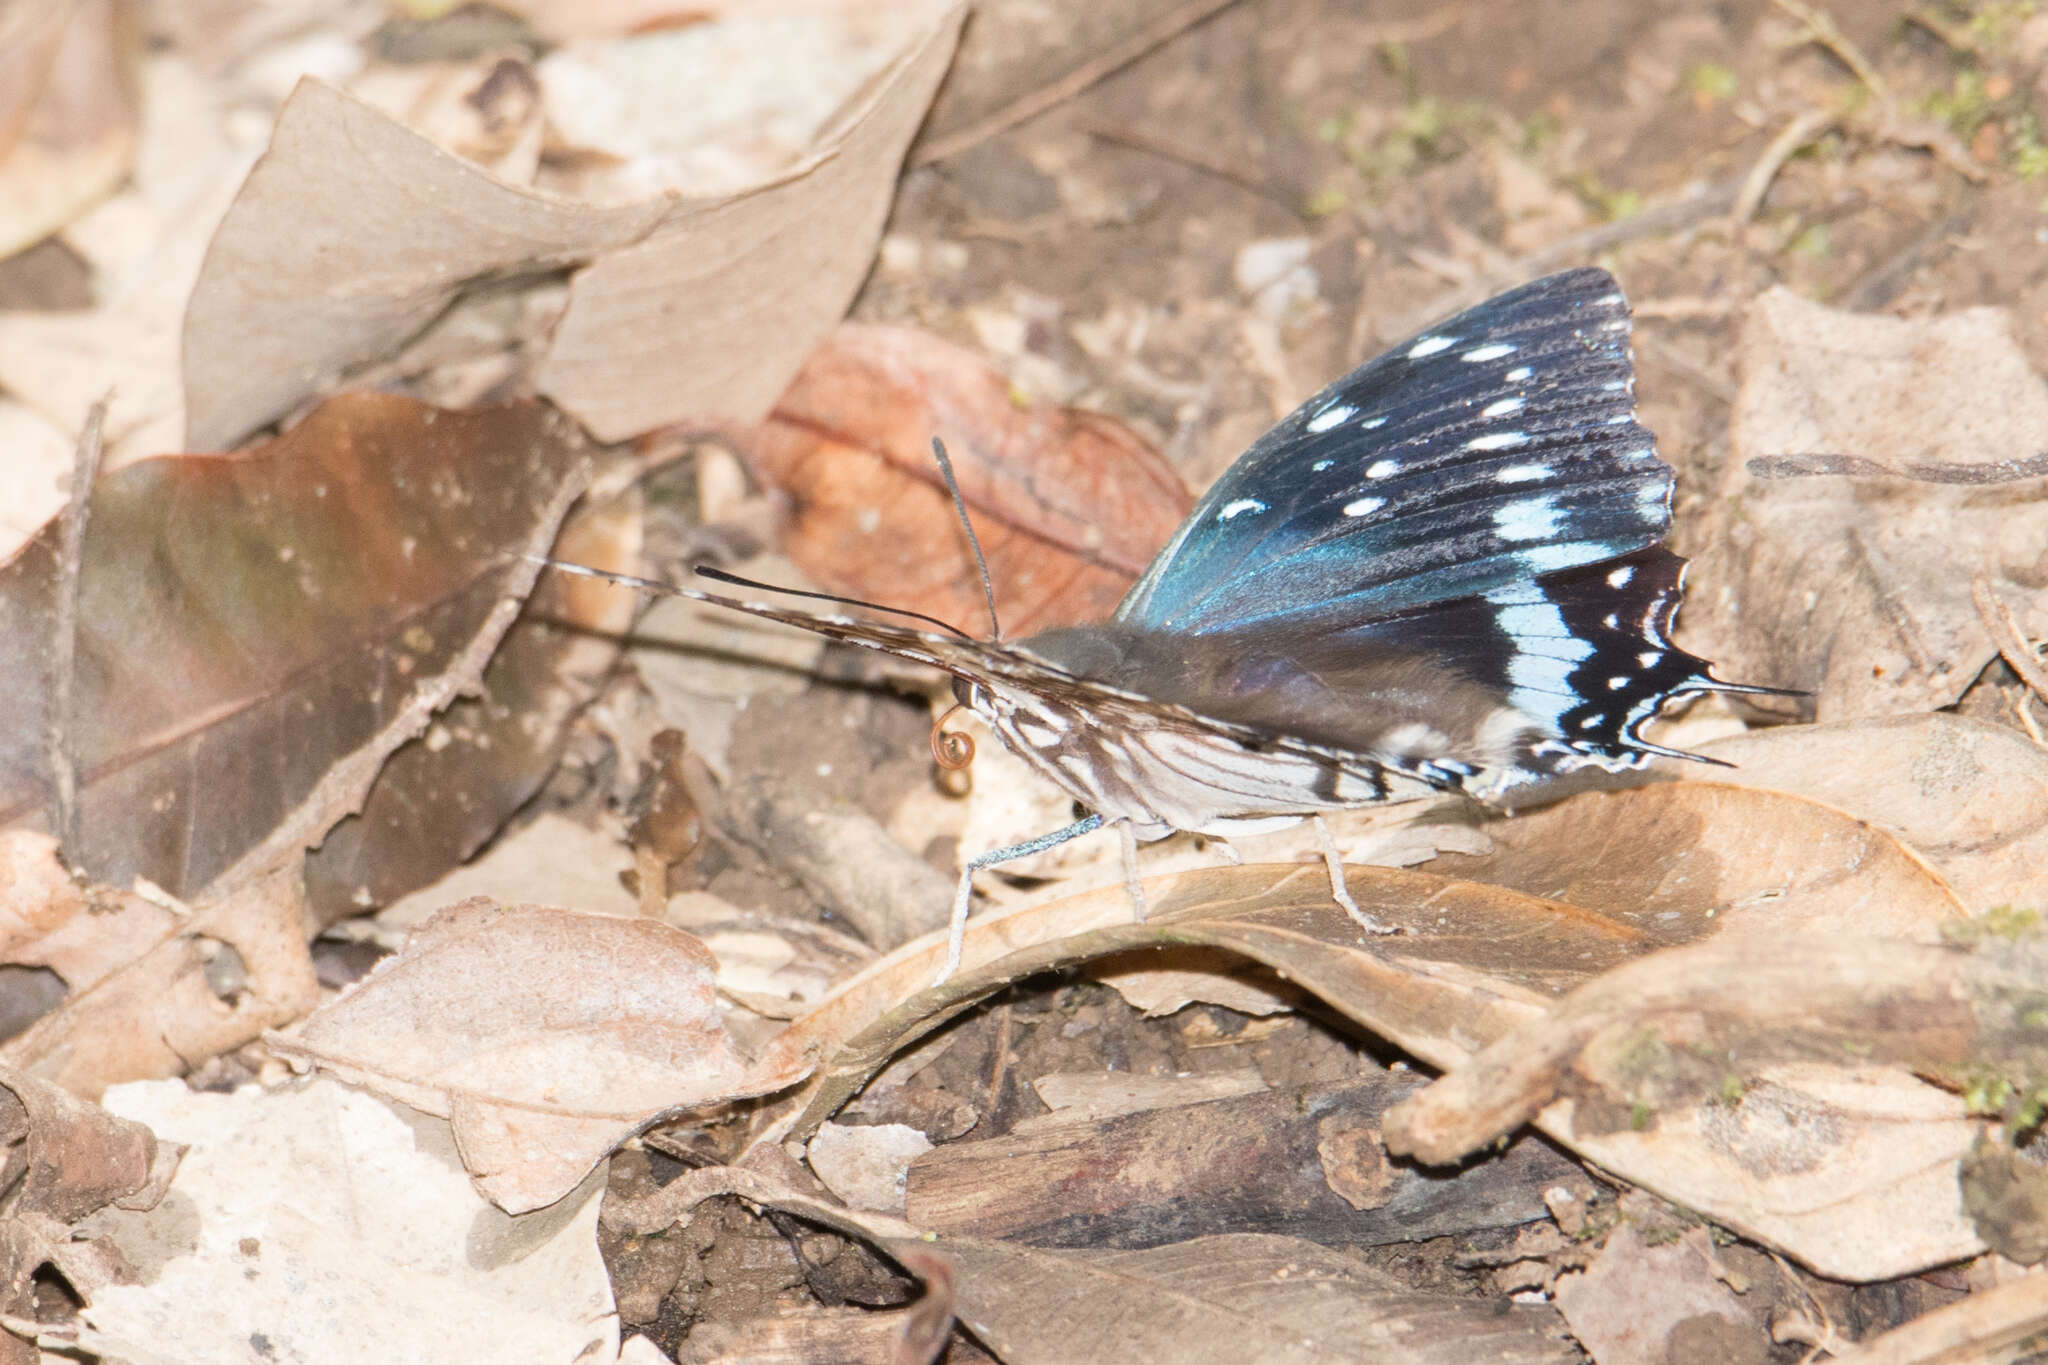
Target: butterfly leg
(957, 934)
(1339, 892)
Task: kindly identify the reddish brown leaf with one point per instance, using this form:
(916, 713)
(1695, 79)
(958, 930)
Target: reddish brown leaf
(1070, 505)
(256, 633)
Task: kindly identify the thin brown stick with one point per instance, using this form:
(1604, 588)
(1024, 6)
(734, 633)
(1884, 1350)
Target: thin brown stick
(1795, 135)
(1668, 215)
(1821, 29)
(85, 471)
(1168, 26)
(2006, 633)
(1929, 471)
(1197, 160)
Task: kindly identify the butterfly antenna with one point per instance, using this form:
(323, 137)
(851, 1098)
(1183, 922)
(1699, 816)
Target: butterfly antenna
(626, 580)
(988, 589)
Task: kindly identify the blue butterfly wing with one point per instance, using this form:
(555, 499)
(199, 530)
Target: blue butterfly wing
(1495, 447)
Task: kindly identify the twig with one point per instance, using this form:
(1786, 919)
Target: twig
(2013, 645)
(1169, 25)
(1694, 206)
(1822, 29)
(1201, 161)
(85, 471)
(1928, 471)
(1789, 140)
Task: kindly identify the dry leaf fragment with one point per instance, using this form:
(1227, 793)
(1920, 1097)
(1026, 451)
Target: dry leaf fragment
(435, 803)
(320, 1223)
(1758, 862)
(547, 1036)
(68, 109)
(1859, 589)
(257, 633)
(195, 987)
(1713, 1041)
(354, 232)
(1639, 1304)
(1970, 798)
(61, 1159)
(1070, 505)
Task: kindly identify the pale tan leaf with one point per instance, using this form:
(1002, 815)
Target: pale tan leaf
(1858, 589)
(548, 1037)
(354, 232)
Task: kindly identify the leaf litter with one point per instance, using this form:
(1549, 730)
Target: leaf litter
(1756, 995)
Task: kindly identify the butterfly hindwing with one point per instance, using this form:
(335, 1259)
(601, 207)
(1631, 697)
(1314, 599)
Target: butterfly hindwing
(1500, 445)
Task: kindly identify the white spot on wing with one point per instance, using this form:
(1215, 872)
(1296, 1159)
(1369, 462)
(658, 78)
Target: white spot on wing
(1039, 736)
(1414, 738)
(1380, 469)
(1503, 407)
(1650, 658)
(1330, 416)
(1320, 465)
(1528, 519)
(1617, 682)
(1429, 346)
(1499, 440)
(1372, 423)
(1363, 506)
(1239, 508)
(1518, 374)
(1546, 652)
(1621, 576)
(1493, 352)
(1523, 473)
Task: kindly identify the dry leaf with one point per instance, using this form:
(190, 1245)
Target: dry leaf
(1970, 798)
(1685, 1070)
(60, 1160)
(1638, 1304)
(354, 232)
(1858, 589)
(200, 985)
(319, 1223)
(436, 802)
(1759, 863)
(1070, 505)
(547, 1036)
(68, 109)
(257, 633)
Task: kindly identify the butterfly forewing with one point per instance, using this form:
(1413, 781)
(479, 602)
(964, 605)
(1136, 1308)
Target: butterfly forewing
(1499, 445)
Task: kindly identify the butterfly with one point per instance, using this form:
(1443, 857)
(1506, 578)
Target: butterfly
(1444, 573)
